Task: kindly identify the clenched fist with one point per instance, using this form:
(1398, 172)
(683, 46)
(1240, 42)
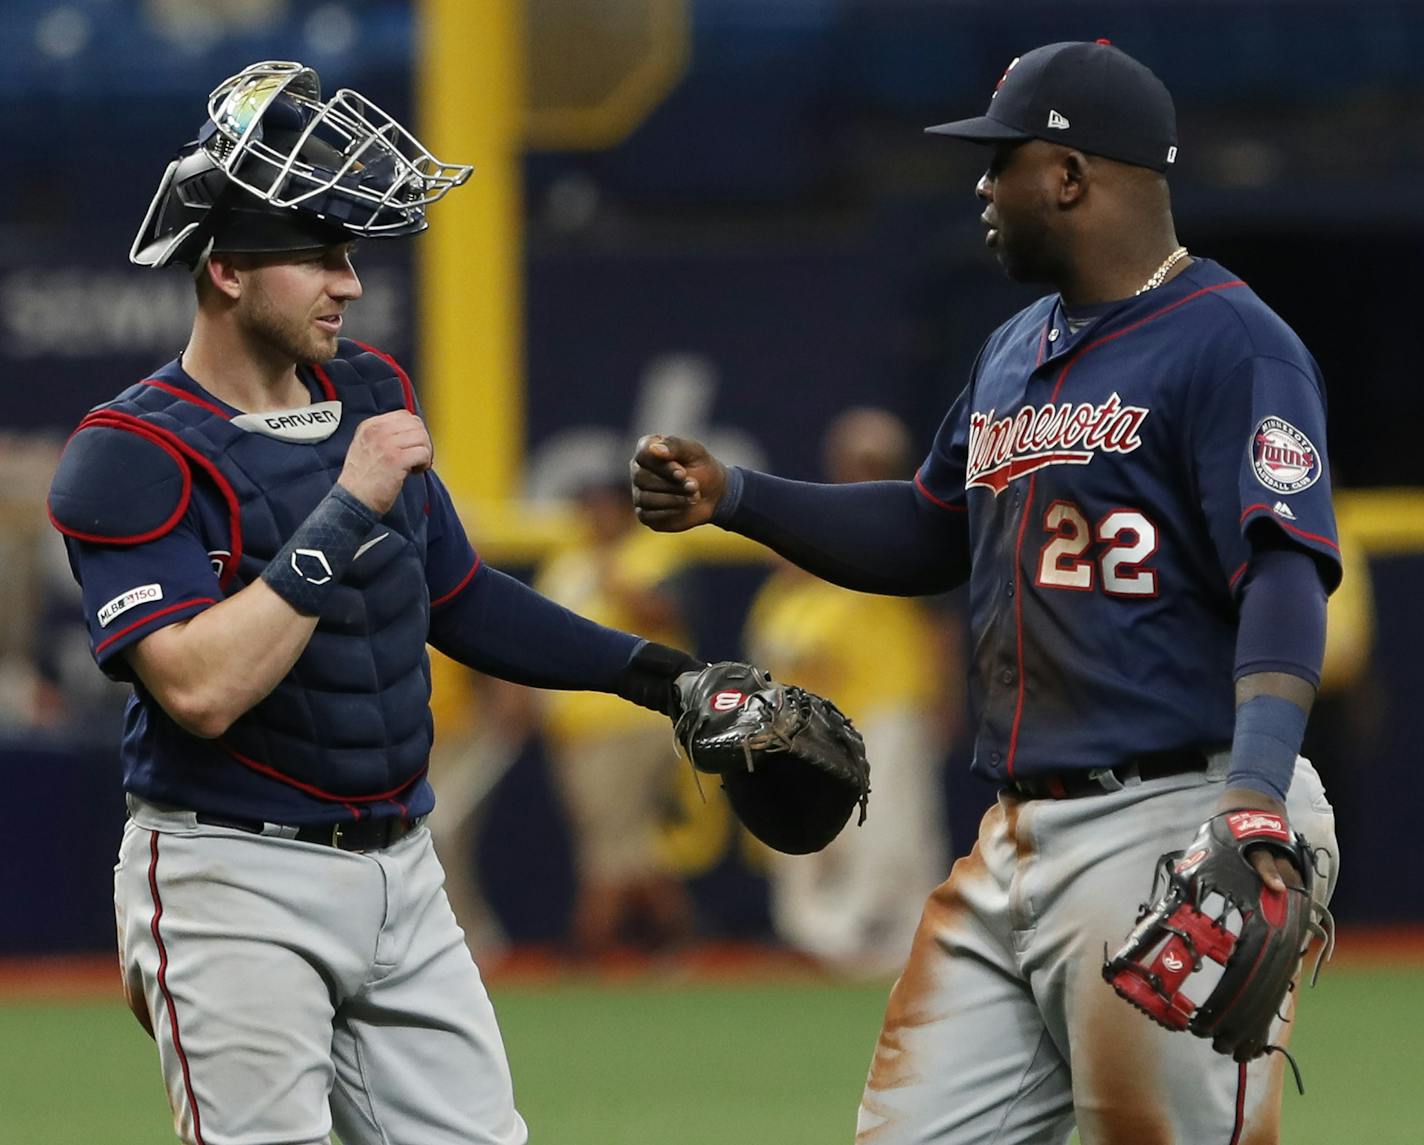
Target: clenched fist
(385, 451)
(676, 483)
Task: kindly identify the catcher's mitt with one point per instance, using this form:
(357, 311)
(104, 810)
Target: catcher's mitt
(1210, 905)
(792, 765)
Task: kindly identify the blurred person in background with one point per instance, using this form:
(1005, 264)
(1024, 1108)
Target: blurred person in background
(203, 22)
(47, 682)
(483, 725)
(615, 765)
(855, 905)
(29, 698)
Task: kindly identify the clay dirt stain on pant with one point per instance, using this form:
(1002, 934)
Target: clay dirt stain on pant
(1116, 1092)
(910, 1004)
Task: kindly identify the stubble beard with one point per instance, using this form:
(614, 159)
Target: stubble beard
(286, 335)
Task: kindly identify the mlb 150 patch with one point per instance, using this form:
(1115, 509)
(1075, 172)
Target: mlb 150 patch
(143, 594)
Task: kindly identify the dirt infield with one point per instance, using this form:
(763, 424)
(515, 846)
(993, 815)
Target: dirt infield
(84, 977)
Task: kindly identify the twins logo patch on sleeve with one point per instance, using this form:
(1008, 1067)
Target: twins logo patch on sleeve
(143, 594)
(1284, 458)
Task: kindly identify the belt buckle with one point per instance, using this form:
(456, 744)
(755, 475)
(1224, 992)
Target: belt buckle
(1106, 778)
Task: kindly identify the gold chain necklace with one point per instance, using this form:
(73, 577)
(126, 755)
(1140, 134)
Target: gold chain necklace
(1161, 272)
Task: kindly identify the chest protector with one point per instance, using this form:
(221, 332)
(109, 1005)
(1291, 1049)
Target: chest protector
(351, 721)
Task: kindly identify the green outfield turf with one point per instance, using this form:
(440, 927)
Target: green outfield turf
(662, 1064)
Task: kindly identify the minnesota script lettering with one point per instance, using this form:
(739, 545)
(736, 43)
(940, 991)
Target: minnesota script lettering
(1007, 448)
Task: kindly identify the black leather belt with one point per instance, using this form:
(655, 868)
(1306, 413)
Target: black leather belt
(1096, 781)
(363, 835)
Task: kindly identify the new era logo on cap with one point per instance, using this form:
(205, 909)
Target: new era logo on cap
(1058, 120)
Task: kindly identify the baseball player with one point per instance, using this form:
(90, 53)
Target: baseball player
(264, 552)
(1134, 484)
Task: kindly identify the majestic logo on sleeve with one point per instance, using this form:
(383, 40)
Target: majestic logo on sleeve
(1007, 448)
(1284, 458)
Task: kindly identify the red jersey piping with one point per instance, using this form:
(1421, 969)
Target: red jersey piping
(920, 485)
(445, 597)
(1240, 1105)
(204, 600)
(1287, 525)
(1028, 500)
(163, 986)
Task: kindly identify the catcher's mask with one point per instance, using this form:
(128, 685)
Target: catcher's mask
(274, 168)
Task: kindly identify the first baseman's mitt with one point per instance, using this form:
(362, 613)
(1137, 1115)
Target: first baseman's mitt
(792, 765)
(1210, 904)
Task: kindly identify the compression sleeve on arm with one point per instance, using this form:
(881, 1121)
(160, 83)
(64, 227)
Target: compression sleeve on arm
(500, 626)
(1282, 629)
(1282, 622)
(874, 536)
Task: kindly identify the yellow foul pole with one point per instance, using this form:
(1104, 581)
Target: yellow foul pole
(469, 70)
(470, 95)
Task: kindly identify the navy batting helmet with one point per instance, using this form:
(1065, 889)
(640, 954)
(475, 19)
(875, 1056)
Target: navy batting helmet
(275, 168)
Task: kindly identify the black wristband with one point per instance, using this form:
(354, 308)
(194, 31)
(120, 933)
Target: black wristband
(312, 563)
(647, 678)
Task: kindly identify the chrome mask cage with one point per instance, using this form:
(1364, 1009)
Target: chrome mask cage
(382, 177)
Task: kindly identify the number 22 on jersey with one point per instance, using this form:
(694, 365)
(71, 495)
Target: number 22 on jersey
(1128, 537)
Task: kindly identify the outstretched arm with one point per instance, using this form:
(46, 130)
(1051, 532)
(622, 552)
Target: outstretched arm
(880, 536)
(500, 626)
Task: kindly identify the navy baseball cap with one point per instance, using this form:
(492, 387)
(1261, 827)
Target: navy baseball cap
(1090, 96)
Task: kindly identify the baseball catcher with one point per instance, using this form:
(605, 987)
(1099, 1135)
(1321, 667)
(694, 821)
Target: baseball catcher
(1210, 906)
(792, 764)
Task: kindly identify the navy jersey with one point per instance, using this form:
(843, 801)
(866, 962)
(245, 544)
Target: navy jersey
(1112, 481)
(325, 716)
